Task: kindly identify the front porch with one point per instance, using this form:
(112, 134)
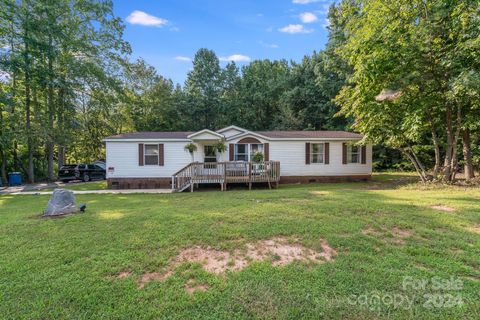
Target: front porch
(226, 172)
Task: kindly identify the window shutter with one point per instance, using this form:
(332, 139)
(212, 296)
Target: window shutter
(344, 153)
(231, 147)
(140, 154)
(327, 152)
(266, 151)
(161, 155)
(307, 153)
(364, 154)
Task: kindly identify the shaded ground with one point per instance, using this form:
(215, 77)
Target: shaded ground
(380, 239)
(44, 186)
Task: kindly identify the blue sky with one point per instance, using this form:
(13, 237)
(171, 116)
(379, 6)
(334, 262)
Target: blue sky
(167, 33)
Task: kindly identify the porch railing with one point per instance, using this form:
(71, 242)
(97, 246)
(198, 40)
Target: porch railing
(226, 172)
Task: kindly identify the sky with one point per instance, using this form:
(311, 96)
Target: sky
(167, 33)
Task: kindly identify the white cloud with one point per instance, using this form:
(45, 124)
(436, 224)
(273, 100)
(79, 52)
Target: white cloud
(182, 58)
(295, 28)
(145, 19)
(268, 45)
(308, 17)
(304, 1)
(326, 23)
(236, 58)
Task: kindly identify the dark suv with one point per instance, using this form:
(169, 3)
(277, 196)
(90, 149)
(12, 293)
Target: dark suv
(85, 172)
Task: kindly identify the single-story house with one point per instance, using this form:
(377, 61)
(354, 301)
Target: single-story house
(160, 159)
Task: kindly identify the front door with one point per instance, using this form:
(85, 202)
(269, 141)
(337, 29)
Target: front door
(209, 154)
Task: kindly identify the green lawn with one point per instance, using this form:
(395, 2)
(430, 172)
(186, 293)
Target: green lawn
(93, 185)
(385, 233)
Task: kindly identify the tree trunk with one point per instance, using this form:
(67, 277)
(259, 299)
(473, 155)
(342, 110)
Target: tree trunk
(436, 146)
(417, 164)
(467, 155)
(50, 138)
(447, 168)
(3, 169)
(60, 123)
(61, 156)
(3, 155)
(450, 163)
(30, 170)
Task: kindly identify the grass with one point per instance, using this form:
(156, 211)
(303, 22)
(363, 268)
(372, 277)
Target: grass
(82, 186)
(94, 185)
(66, 267)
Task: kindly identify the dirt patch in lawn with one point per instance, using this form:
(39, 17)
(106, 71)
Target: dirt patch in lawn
(474, 228)
(443, 208)
(212, 260)
(320, 193)
(123, 275)
(152, 276)
(193, 286)
(280, 251)
(398, 235)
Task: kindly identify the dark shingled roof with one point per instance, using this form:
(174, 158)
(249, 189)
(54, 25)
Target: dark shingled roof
(153, 135)
(269, 134)
(311, 134)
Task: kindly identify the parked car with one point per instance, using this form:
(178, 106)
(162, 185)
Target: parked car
(85, 172)
(101, 164)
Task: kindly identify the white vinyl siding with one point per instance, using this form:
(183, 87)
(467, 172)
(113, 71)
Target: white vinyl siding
(123, 157)
(291, 155)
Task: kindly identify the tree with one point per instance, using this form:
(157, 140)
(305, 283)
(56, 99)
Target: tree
(262, 85)
(203, 89)
(58, 51)
(149, 98)
(402, 56)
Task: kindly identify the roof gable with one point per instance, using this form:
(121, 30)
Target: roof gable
(205, 134)
(231, 131)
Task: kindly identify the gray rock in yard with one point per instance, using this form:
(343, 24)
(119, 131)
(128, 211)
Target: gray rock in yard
(62, 202)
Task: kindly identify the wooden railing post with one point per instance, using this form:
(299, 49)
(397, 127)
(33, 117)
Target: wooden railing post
(224, 180)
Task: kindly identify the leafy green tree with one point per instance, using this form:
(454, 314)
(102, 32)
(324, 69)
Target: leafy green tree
(402, 55)
(263, 83)
(308, 104)
(203, 88)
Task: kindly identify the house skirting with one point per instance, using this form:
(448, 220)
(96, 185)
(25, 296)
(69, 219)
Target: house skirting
(161, 183)
(139, 183)
(309, 179)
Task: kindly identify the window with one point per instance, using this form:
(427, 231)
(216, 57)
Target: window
(317, 154)
(241, 152)
(210, 154)
(151, 154)
(254, 148)
(245, 152)
(353, 154)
